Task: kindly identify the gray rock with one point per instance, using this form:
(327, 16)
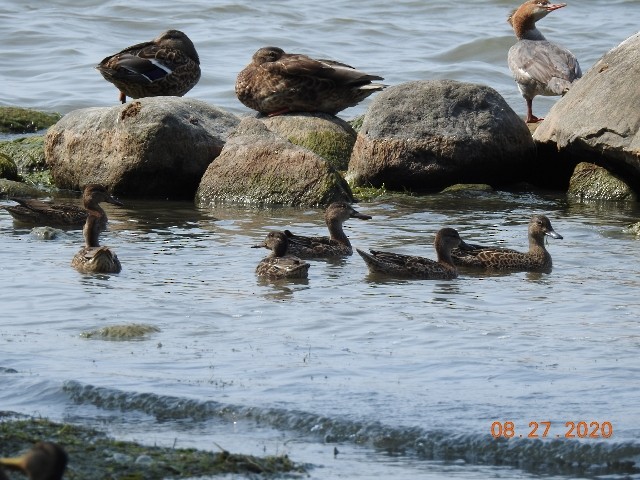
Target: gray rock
(591, 182)
(150, 147)
(427, 135)
(257, 166)
(598, 120)
(327, 135)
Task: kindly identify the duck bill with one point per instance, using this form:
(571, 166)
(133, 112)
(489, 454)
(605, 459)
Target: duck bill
(361, 216)
(466, 247)
(554, 6)
(14, 463)
(553, 234)
(115, 201)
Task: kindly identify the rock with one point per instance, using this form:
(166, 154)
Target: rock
(46, 233)
(151, 147)
(426, 135)
(633, 228)
(27, 153)
(10, 188)
(598, 120)
(259, 167)
(8, 168)
(468, 188)
(326, 135)
(23, 120)
(592, 182)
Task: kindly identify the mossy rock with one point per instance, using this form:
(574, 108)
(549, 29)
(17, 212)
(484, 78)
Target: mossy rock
(8, 168)
(26, 152)
(468, 187)
(92, 454)
(591, 182)
(132, 331)
(10, 188)
(24, 120)
(356, 123)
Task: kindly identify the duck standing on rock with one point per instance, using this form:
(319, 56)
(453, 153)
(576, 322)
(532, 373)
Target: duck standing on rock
(168, 65)
(537, 259)
(276, 82)
(408, 266)
(279, 264)
(337, 244)
(92, 258)
(45, 461)
(539, 67)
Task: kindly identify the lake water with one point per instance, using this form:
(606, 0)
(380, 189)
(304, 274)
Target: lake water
(404, 378)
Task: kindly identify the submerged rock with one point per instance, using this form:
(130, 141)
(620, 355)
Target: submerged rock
(46, 233)
(10, 188)
(598, 120)
(24, 120)
(592, 182)
(151, 147)
(426, 135)
(257, 166)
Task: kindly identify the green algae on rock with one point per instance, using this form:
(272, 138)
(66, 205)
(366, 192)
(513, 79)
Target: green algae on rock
(24, 120)
(8, 168)
(592, 182)
(28, 155)
(92, 454)
(133, 331)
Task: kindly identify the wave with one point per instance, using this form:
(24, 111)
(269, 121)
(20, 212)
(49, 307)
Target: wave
(567, 457)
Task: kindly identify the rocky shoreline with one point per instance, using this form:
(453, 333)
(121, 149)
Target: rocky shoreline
(419, 137)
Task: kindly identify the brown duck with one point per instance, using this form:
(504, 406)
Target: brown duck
(279, 264)
(537, 259)
(92, 258)
(276, 82)
(37, 212)
(337, 244)
(45, 461)
(168, 65)
(408, 266)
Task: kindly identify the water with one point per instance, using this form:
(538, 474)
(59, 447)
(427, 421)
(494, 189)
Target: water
(405, 378)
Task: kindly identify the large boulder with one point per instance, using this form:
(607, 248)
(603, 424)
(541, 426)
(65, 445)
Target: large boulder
(258, 166)
(151, 147)
(598, 120)
(327, 135)
(427, 135)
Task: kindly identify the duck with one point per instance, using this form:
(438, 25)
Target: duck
(537, 259)
(279, 264)
(38, 212)
(167, 65)
(539, 67)
(408, 266)
(45, 461)
(92, 258)
(337, 244)
(276, 82)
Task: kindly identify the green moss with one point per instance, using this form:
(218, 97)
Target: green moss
(356, 123)
(121, 332)
(8, 168)
(94, 455)
(23, 120)
(468, 187)
(368, 193)
(27, 153)
(592, 182)
(334, 147)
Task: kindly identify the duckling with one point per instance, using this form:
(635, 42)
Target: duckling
(37, 212)
(337, 244)
(167, 65)
(279, 264)
(92, 258)
(537, 259)
(407, 266)
(276, 82)
(45, 461)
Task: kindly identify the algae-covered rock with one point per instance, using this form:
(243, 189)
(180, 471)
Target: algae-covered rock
(10, 188)
(468, 187)
(592, 182)
(326, 135)
(24, 120)
(257, 166)
(27, 153)
(8, 168)
(133, 331)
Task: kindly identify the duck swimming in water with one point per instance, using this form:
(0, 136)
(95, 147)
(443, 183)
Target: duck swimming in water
(539, 67)
(45, 461)
(537, 259)
(276, 82)
(279, 264)
(92, 258)
(168, 65)
(337, 244)
(408, 266)
(37, 212)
